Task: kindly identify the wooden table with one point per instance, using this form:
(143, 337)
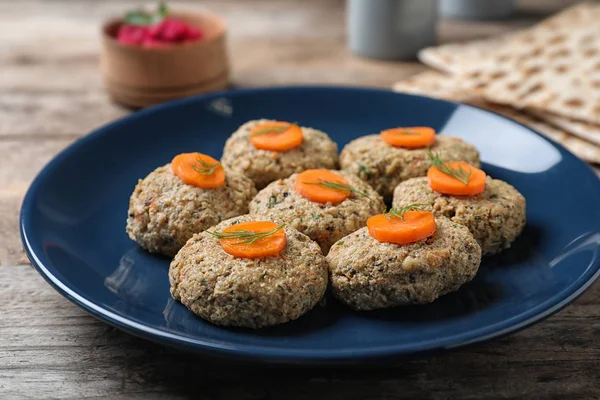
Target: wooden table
(51, 94)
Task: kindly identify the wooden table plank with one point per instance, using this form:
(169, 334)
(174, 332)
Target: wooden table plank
(60, 350)
(59, 114)
(20, 159)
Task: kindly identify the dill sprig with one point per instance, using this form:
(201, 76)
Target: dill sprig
(459, 173)
(364, 170)
(273, 129)
(399, 213)
(205, 168)
(337, 186)
(247, 237)
(143, 17)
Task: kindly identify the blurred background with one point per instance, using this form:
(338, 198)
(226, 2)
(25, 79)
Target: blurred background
(49, 48)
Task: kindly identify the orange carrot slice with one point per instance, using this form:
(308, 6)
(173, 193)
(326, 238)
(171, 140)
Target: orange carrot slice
(416, 225)
(276, 136)
(199, 170)
(257, 239)
(323, 186)
(410, 137)
(456, 178)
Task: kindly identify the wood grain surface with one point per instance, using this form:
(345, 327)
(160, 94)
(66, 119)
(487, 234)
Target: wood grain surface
(51, 94)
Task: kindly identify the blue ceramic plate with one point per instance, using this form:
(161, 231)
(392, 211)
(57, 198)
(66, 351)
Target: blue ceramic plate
(73, 228)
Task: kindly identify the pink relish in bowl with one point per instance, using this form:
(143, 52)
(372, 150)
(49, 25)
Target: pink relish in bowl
(141, 28)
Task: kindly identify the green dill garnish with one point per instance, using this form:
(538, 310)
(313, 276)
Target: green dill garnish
(337, 186)
(272, 201)
(459, 173)
(399, 213)
(316, 216)
(493, 196)
(273, 129)
(340, 243)
(163, 10)
(204, 168)
(366, 171)
(143, 17)
(247, 237)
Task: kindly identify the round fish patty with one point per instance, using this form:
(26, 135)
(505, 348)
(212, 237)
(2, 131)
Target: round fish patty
(252, 293)
(383, 166)
(263, 166)
(164, 212)
(367, 274)
(323, 223)
(495, 217)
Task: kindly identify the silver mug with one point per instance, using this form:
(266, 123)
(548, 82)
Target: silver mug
(391, 29)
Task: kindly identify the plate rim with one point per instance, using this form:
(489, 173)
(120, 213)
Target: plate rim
(289, 355)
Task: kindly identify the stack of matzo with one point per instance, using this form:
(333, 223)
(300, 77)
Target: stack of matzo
(547, 77)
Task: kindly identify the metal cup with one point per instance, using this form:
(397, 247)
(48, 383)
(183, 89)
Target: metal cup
(391, 29)
(477, 9)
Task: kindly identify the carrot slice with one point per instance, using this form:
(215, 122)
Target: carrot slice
(416, 225)
(199, 170)
(456, 178)
(410, 137)
(276, 136)
(323, 186)
(256, 239)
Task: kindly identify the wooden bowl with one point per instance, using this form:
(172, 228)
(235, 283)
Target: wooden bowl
(139, 77)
